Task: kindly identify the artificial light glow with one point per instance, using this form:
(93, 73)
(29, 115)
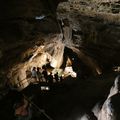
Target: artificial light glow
(57, 70)
(46, 88)
(39, 17)
(54, 63)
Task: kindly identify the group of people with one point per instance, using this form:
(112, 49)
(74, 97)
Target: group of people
(41, 75)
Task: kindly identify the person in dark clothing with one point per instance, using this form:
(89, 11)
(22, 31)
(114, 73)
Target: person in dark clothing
(56, 77)
(45, 74)
(34, 74)
(50, 78)
(61, 79)
(39, 75)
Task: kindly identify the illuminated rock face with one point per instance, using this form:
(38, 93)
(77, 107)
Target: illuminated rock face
(96, 6)
(116, 87)
(110, 109)
(92, 35)
(95, 39)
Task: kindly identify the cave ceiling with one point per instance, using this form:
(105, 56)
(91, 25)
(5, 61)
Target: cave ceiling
(95, 25)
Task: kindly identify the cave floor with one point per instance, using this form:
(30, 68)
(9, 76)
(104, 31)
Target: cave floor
(66, 100)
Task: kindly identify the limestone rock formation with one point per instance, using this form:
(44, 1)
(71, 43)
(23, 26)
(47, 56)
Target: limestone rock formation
(20, 29)
(110, 108)
(33, 33)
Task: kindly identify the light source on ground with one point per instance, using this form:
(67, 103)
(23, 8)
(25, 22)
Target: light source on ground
(45, 88)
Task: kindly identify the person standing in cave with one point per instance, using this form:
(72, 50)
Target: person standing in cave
(45, 74)
(39, 75)
(34, 74)
(50, 78)
(56, 77)
(61, 78)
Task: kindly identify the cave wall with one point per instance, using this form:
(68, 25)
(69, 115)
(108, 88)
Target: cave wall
(97, 28)
(19, 30)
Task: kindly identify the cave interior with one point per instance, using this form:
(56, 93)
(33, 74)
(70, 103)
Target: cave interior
(77, 42)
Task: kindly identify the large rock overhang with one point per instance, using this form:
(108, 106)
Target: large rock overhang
(20, 31)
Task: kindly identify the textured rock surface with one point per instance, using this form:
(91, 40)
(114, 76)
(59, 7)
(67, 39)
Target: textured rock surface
(96, 6)
(110, 109)
(95, 29)
(95, 26)
(99, 29)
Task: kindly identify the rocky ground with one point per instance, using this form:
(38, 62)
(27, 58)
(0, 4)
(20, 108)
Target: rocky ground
(71, 99)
